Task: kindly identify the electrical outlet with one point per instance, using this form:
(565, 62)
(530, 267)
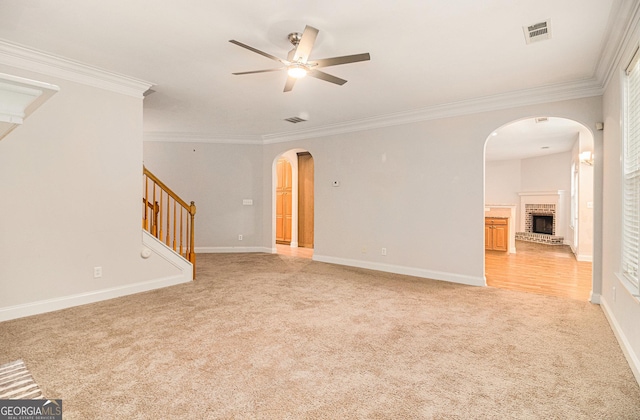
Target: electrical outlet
(384, 251)
(364, 249)
(239, 237)
(97, 272)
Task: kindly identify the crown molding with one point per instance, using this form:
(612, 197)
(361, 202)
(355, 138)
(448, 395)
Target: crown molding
(553, 93)
(40, 62)
(178, 137)
(622, 27)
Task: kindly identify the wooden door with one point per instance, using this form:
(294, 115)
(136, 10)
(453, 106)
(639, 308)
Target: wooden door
(283, 202)
(305, 200)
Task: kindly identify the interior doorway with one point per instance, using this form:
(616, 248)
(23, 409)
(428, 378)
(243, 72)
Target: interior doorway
(293, 195)
(538, 180)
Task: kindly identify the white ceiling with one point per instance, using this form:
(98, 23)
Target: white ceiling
(533, 137)
(424, 54)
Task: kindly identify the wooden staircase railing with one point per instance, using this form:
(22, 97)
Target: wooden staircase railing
(169, 218)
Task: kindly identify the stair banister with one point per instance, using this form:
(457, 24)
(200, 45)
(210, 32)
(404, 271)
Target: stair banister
(156, 208)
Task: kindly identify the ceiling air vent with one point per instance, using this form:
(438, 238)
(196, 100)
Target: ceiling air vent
(295, 120)
(542, 119)
(537, 31)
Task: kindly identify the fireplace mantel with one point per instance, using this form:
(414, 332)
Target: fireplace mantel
(548, 194)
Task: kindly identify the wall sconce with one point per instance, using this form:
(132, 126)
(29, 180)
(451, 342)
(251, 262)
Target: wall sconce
(586, 157)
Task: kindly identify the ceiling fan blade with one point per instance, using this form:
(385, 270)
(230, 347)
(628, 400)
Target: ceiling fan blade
(306, 44)
(257, 71)
(273, 57)
(289, 84)
(345, 59)
(326, 77)
(290, 54)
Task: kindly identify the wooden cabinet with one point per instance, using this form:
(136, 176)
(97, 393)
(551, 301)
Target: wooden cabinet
(496, 234)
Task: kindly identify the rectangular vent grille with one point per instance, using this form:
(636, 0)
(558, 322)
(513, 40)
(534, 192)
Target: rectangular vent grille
(542, 119)
(295, 120)
(537, 32)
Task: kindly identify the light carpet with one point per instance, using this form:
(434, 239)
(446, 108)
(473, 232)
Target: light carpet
(261, 336)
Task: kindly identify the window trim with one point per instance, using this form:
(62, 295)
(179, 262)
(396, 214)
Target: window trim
(631, 284)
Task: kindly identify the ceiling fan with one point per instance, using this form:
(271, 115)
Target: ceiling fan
(298, 64)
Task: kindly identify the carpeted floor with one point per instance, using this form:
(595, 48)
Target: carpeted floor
(275, 337)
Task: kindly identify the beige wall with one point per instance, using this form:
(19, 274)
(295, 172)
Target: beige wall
(416, 190)
(622, 309)
(70, 182)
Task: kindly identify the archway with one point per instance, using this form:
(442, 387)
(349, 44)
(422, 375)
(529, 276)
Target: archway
(539, 183)
(300, 214)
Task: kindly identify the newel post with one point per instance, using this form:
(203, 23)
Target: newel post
(192, 254)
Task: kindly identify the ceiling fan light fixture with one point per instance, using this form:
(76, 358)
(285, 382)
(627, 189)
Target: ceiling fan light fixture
(297, 63)
(297, 71)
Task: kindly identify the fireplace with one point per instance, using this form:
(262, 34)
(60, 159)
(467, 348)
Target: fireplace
(542, 217)
(542, 224)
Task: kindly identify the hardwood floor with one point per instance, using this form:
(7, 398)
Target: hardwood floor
(537, 268)
(294, 252)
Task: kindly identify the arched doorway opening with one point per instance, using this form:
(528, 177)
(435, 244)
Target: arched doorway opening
(539, 207)
(293, 198)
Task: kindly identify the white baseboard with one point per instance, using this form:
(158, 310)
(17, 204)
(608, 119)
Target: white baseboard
(151, 243)
(580, 257)
(232, 249)
(595, 298)
(409, 271)
(49, 305)
(584, 258)
(629, 354)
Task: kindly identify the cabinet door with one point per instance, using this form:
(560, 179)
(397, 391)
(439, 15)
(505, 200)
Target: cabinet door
(500, 237)
(496, 234)
(488, 236)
